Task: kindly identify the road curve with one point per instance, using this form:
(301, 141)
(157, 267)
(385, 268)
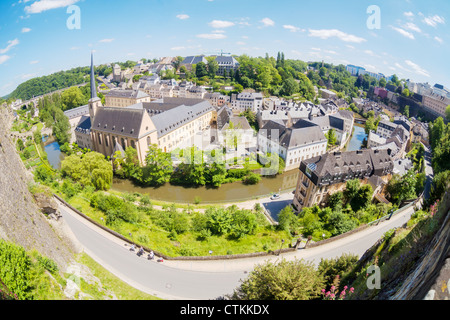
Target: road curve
(192, 280)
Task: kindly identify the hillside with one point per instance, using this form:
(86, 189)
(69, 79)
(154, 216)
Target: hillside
(21, 220)
(414, 260)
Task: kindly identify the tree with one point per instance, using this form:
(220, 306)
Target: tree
(287, 220)
(351, 189)
(383, 82)
(61, 127)
(290, 86)
(447, 113)
(406, 111)
(158, 168)
(331, 137)
(201, 70)
(362, 198)
(72, 98)
(285, 280)
(213, 67)
(91, 169)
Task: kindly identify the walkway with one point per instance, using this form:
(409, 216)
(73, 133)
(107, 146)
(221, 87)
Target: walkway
(210, 279)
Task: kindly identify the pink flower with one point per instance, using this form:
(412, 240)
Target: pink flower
(352, 290)
(332, 288)
(345, 288)
(323, 290)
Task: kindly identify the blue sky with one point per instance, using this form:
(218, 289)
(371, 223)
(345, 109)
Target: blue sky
(412, 41)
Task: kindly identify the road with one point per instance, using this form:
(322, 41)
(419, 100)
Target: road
(191, 280)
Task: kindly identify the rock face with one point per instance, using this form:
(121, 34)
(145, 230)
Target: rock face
(47, 204)
(21, 220)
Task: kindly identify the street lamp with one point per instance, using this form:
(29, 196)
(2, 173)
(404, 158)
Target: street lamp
(282, 241)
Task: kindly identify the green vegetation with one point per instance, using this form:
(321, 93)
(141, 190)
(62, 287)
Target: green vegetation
(90, 169)
(439, 134)
(28, 275)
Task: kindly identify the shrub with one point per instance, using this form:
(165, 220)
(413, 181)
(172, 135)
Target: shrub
(330, 268)
(15, 270)
(252, 178)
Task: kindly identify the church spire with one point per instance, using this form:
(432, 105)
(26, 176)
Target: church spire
(93, 88)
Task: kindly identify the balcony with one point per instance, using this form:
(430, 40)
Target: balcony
(305, 184)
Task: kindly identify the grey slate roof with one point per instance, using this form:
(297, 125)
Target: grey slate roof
(302, 133)
(84, 125)
(194, 60)
(172, 119)
(77, 112)
(123, 121)
(338, 167)
(130, 94)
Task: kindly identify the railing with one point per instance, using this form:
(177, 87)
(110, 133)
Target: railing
(389, 216)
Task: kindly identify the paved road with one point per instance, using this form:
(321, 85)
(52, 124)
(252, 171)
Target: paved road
(202, 279)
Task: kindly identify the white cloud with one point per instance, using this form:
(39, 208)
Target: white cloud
(28, 76)
(4, 58)
(24, 30)
(44, 5)
(177, 48)
(244, 37)
(34, 61)
(408, 14)
(370, 53)
(107, 40)
(75, 48)
(404, 33)
(350, 46)
(292, 28)
(11, 44)
(182, 16)
(433, 21)
(219, 24)
(417, 69)
(211, 36)
(329, 33)
(218, 31)
(241, 43)
(316, 49)
(412, 26)
(268, 22)
(438, 39)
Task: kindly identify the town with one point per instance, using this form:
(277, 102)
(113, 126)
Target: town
(224, 151)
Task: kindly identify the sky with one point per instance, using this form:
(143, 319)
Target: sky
(409, 38)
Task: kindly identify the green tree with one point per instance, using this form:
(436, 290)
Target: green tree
(91, 169)
(158, 168)
(331, 137)
(285, 280)
(72, 98)
(447, 113)
(213, 67)
(61, 127)
(290, 86)
(201, 70)
(287, 220)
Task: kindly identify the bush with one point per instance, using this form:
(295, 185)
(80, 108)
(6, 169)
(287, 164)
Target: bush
(252, 178)
(287, 280)
(48, 264)
(15, 270)
(330, 268)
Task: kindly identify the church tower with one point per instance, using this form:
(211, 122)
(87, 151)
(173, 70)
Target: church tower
(94, 101)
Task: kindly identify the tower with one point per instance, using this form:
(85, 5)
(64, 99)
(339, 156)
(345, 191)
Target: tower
(94, 101)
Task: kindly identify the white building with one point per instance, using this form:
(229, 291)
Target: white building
(246, 101)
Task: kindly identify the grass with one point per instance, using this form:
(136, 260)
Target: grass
(151, 235)
(110, 282)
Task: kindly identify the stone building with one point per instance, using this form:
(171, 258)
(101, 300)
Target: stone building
(326, 174)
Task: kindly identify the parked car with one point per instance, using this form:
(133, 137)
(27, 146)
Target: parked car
(275, 196)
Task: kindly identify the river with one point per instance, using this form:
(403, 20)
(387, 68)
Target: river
(54, 154)
(359, 135)
(229, 192)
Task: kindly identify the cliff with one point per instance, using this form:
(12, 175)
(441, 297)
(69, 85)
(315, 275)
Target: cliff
(21, 220)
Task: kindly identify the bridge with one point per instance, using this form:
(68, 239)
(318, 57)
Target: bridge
(35, 100)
